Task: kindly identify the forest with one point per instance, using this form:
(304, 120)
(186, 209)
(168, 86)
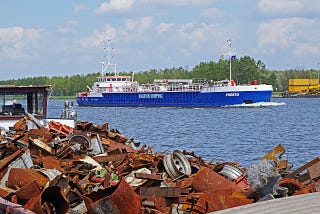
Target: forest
(244, 70)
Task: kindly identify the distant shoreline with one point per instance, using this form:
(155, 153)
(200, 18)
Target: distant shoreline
(296, 96)
(62, 97)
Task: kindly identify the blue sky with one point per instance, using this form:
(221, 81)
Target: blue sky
(64, 38)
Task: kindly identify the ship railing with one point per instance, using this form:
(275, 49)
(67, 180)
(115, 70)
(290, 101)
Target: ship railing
(176, 81)
(199, 81)
(219, 83)
(191, 87)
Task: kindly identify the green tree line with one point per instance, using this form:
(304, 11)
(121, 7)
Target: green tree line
(244, 70)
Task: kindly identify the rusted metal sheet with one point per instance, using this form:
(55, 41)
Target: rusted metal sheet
(88, 126)
(51, 200)
(28, 191)
(226, 198)
(20, 177)
(20, 125)
(49, 162)
(184, 182)
(117, 199)
(222, 192)
(154, 204)
(114, 145)
(115, 135)
(194, 203)
(42, 134)
(206, 179)
(314, 171)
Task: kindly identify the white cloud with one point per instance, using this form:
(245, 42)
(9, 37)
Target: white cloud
(98, 37)
(186, 27)
(296, 34)
(15, 40)
(69, 28)
(288, 7)
(139, 25)
(179, 3)
(18, 34)
(164, 27)
(215, 14)
(115, 5)
(79, 7)
(191, 37)
(307, 49)
(124, 5)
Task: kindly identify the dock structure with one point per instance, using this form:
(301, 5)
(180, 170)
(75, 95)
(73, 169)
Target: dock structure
(306, 203)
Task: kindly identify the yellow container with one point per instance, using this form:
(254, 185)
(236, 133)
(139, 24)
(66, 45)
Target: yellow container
(303, 82)
(314, 81)
(298, 88)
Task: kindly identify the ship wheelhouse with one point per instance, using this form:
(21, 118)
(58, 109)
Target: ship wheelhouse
(18, 100)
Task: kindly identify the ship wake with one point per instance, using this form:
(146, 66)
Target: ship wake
(257, 105)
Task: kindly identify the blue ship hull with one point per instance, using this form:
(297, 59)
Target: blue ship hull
(175, 99)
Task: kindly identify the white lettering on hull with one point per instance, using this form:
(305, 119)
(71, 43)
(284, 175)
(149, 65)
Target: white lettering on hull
(232, 94)
(150, 96)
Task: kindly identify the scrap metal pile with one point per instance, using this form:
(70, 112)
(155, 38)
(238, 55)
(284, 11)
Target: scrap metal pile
(94, 169)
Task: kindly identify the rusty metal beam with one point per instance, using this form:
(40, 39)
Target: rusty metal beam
(148, 176)
(302, 168)
(166, 192)
(5, 161)
(108, 158)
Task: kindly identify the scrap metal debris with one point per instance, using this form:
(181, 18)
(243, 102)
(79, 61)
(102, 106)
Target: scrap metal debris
(94, 169)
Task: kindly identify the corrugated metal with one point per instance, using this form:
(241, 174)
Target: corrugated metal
(314, 81)
(296, 82)
(306, 203)
(297, 88)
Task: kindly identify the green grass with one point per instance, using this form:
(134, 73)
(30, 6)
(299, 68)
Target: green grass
(62, 97)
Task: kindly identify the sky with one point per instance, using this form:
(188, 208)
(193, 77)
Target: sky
(65, 38)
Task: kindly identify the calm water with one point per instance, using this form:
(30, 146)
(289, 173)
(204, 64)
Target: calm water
(224, 134)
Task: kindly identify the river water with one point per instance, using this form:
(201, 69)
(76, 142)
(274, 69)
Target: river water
(242, 134)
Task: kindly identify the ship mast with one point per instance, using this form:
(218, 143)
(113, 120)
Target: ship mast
(108, 64)
(230, 54)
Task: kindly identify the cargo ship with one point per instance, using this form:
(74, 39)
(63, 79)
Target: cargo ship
(123, 91)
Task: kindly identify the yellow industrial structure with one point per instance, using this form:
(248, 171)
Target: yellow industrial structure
(306, 86)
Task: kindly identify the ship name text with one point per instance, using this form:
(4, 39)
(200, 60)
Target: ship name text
(150, 96)
(232, 94)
